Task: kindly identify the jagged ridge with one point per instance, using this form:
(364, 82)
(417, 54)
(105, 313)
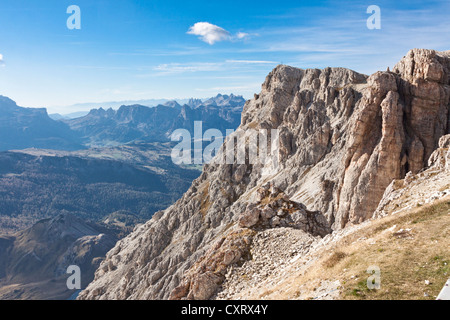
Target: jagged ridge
(343, 138)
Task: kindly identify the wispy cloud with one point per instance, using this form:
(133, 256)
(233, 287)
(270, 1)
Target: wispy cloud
(227, 65)
(251, 61)
(2, 61)
(176, 68)
(168, 51)
(242, 35)
(103, 67)
(210, 33)
(346, 41)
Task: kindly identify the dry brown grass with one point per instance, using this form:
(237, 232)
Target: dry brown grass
(334, 259)
(405, 261)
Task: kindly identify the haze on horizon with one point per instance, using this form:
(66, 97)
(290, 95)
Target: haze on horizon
(175, 49)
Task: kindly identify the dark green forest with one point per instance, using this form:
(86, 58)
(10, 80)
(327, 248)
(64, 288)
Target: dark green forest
(36, 187)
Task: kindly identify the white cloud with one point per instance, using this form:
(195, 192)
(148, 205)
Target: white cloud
(2, 61)
(209, 33)
(242, 35)
(179, 68)
(251, 61)
(176, 68)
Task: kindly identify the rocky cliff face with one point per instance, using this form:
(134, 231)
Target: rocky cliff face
(425, 187)
(343, 137)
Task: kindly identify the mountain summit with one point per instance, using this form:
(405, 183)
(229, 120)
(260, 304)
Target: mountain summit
(140, 123)
(343, 138)
(22, 128)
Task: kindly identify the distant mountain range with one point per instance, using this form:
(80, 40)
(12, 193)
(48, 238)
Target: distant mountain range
(61, 208)
(87, 106)
(73, 115)
(71, 186)
(84, 108)
(22, 128)
(139, 123)
(49, 167)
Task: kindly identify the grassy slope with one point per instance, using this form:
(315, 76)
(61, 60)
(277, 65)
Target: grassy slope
(406, 260)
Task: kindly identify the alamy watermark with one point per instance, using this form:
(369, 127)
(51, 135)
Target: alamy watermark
(374, 21)
(74, 20)
(74, 280)
(236, 147)
(374, 281)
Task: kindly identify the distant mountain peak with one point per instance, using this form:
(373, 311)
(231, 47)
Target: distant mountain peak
(7, 104)
(4, 99)
(193, 103)
(97, 112)
(173, 104)
(225, 100)
(22, 128)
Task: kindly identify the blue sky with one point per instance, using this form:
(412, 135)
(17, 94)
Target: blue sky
(132, 50)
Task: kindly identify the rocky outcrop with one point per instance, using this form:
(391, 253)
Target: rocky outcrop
(273, 210)
(289, 263)
(421, 188)
(207, 274)
(440, 158)
(343, 137)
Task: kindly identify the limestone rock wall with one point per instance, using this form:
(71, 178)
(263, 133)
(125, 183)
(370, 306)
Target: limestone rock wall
(343, 138)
